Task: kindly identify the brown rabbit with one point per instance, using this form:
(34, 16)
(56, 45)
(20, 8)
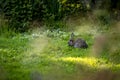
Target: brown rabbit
(78, 43)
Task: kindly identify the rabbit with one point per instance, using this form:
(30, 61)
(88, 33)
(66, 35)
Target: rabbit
(78, 43)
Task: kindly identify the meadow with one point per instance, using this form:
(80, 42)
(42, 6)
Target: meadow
(45, 55)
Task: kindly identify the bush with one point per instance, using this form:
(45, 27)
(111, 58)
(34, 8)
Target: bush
(4, 28)
(18, 13)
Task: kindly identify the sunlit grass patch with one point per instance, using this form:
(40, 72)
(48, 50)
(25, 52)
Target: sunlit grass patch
(88, 61)
(91, 62)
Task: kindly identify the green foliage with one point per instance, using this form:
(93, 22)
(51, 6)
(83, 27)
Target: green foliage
(70, 6)
(18, 12)
(38, 9)
(5, 31)
(21, 13)
(52, 24)
(52, 8)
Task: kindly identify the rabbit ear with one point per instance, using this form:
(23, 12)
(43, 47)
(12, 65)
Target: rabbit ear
(72, 36)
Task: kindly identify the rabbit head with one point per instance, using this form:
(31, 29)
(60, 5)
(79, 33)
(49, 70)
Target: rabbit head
(71, 42)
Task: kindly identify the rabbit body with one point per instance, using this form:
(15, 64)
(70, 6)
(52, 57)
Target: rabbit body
(78, 43)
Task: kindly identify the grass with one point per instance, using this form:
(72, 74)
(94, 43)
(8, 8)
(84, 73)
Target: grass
(24, 57)
(46, 55)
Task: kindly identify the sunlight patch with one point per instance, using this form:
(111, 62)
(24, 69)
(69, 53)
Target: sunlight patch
(92, 62)
(88, 61)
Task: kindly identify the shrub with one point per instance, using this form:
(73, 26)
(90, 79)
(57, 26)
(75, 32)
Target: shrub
(18, 13)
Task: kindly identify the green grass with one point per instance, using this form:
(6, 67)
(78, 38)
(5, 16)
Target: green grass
(47, 55)
(10, 56)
